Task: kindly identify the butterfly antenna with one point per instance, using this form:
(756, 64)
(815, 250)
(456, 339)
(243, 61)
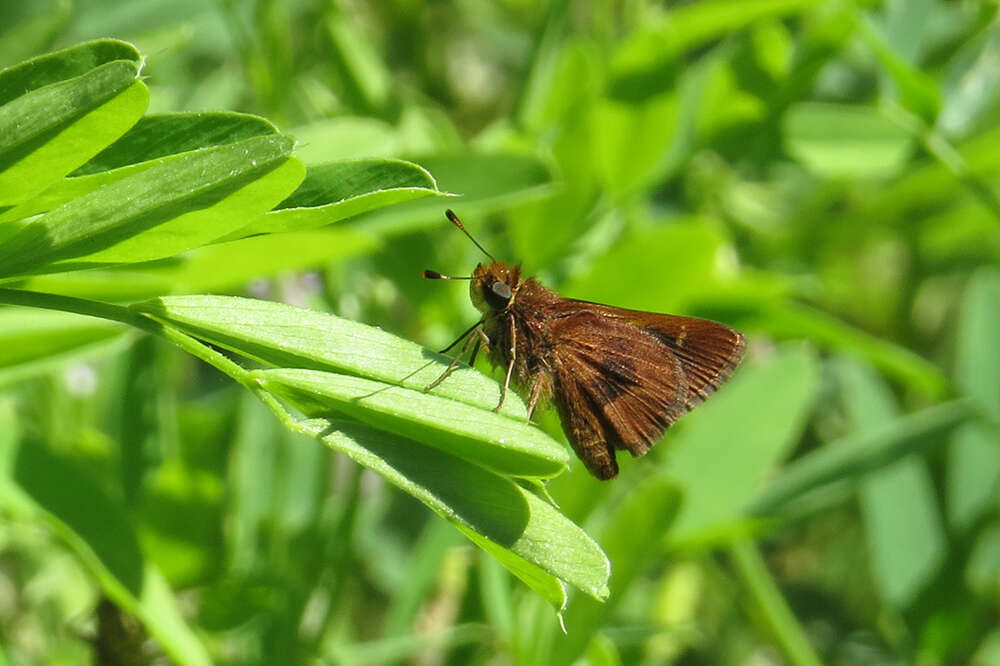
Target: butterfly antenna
(434, 275)
(450, 214)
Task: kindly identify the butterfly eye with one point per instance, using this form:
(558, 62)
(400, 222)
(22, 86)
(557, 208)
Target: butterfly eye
(499, 294)
(502, 290)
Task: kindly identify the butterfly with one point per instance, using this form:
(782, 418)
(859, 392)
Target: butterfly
(618, 378)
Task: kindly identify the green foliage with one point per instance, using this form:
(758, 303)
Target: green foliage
(821, 175)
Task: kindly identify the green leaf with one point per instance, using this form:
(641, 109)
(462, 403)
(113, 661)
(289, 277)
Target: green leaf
(632, 140)
(905, 547)
(530, 537)
(168, 208)
(60, 66)
(286, 336)
(154, 140)
(345, 137)
(673, 253)
(164, 134)
(846, 141)
(730, 444)
(509, 446)
(974, 456)
(338, 190)
(59, 110)
(485, 181)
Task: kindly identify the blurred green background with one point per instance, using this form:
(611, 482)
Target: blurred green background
(822, 175)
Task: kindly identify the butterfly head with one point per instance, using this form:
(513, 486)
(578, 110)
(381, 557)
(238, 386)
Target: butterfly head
(494, 286)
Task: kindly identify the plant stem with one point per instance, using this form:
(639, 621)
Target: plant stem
(124, 315)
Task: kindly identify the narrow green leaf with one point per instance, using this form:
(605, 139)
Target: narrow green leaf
(632, 538)
(228, 266)
(37, 341)
(540, 543)
(286, 336)
(31, 118)
(112, 285)
(30, 32)
(905, 547)
(422, 569)
(498, 604)
(916, 90)
(849, 460)
(362, 73)
(509, 446)
(161, 211)
(971, 85)
(789, 321)
(773, 608)
(974, 455)
(27, 334)
(338, 190)
(731, 443)
(98, 531)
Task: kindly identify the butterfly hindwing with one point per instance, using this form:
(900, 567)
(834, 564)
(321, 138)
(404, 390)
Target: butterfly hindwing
(623, 377)
(614, 389)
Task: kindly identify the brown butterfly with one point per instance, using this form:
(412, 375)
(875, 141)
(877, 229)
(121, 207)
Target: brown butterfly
(618, 377)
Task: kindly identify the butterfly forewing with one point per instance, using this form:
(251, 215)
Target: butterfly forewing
(708, 352)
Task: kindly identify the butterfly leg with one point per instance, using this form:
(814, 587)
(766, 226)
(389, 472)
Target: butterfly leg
(510, 364)
(483, 342)
(536, 393)
(458, 357)
(461, 337)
